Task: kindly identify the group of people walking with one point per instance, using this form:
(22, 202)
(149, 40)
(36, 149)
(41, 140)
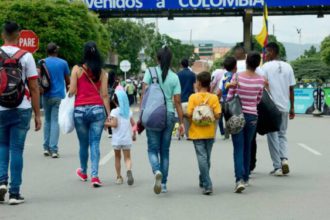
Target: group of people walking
(184, 93)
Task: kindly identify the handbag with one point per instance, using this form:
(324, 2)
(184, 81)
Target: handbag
(233, 113)
(269, 117)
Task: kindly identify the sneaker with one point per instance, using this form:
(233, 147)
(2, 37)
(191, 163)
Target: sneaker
(96, 182)
(277, 172)
(46, 153)
(55, 155)
(110, 136)
(15, 199)
(119, 180)
(130, 179)
(83, 177)
(158, 182)
(246, 183)
(208, 191)
(164, 188)
(3, 191)
(285, 167)
(239, 187)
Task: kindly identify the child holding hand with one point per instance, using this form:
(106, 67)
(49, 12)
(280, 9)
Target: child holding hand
(123, 134)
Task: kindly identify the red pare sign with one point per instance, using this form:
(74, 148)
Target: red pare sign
(28, 41)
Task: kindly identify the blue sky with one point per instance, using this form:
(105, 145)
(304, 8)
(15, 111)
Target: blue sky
(230, 29)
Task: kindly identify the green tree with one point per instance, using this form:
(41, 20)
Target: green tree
(69, 25)
(310, 52)
(127, 40)
(178, 49)
(325, 50)
(311, 67)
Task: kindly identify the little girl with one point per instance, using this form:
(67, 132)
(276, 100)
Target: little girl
(122, 123)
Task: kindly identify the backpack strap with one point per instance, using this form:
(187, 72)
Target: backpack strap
(42, 63)
(19, 54)
(207, 99)
(3, 54)
(153, 74)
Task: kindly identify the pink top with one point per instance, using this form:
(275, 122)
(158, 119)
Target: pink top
(250, 91)
(87, 93)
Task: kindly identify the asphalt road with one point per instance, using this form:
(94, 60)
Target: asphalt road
(52, 190)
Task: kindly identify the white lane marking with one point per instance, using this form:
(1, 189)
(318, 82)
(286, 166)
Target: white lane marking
(107, 158)
(310, 149)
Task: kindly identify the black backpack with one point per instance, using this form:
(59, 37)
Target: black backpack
(44, 77)
(12, 87)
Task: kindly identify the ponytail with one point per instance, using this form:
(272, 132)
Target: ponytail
(164, 57)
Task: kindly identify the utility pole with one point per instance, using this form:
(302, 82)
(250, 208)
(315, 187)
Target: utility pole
(157, 27)
(247, 24)
(191, 36)
(273, 29)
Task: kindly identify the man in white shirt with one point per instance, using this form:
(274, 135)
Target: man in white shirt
(15, 122)
(281, 82)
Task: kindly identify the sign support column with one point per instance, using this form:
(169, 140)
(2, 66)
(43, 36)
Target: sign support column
(247, 21)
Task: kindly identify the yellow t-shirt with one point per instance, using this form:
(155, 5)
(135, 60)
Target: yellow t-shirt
(203, 132)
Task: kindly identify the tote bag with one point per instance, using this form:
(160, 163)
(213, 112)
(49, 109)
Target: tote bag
(66, 114)
(269, 117)
(233, 114)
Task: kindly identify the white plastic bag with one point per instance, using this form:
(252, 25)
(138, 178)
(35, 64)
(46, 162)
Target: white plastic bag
(66, 114)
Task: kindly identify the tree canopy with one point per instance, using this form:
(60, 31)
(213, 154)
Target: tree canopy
(178, 49)
(69, 25)
(325, 50)
(311, 66)
(126, 39)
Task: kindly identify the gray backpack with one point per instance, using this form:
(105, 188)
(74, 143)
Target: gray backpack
(153, 108)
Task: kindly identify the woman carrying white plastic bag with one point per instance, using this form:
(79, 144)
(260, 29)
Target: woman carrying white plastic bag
(65, 116)
(89, 84)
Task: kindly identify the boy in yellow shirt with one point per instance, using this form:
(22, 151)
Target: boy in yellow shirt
(203, 134)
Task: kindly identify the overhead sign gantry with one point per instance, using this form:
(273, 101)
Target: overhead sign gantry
(186, 8)
(208, 8)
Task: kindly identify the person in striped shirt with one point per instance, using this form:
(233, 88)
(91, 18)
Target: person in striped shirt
(249, 86)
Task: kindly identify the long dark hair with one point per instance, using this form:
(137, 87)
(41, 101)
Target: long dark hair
(164, 57)
(92, 58)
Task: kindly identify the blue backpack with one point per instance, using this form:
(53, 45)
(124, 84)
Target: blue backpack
(153, 108)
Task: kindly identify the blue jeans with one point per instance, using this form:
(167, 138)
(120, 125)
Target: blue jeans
(51, 128)
(89, 124)
(14, 125)
(159, 147)
(203, 150)
(242, 147)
